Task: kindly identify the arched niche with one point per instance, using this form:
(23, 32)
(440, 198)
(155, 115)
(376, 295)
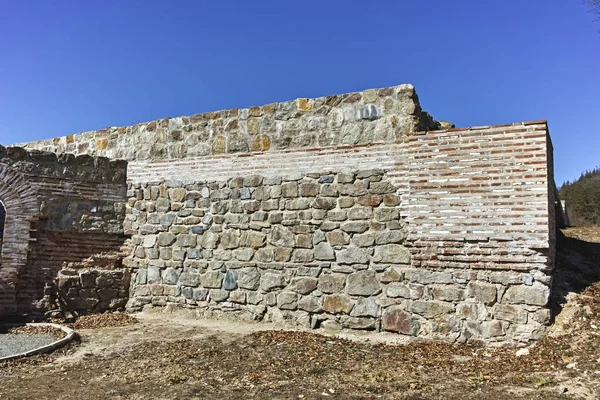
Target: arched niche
(20, 204)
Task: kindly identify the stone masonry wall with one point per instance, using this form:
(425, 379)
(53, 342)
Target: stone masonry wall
(320, 250)
(374, 115)
(469, 248)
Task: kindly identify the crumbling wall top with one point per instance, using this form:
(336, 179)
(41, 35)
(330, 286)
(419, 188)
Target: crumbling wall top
(81, 167)
(371, 116)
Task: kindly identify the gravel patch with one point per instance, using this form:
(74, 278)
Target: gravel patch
(11, 344)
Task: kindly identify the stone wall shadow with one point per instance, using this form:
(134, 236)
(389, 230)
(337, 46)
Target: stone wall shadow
(577, 268)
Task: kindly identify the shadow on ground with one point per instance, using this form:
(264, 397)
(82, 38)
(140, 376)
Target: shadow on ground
(577, 264)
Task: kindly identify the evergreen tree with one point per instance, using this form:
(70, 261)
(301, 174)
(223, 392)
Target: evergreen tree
(583, 198)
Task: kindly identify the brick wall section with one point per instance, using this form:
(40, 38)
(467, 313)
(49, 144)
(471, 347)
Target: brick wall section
(479, 197)
(54, 204)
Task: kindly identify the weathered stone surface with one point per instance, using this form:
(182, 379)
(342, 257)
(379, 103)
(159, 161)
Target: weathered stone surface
(447, 292)
(355, 226)
(166, 239)
(365, 307)
(218, 295)
(363, 283)
(390, 274)
(472, 311)
(323, 251)
(363, 240)
(510, 313)
(309, 303)
(337, 304)
(391, 253)
(281, 237)
(253, 239)
(149, 241)
(170, 276)
(358, 323)
(303, 285)
(308, 189)
(212, 279)
(397, 320)
(248, 278)
(372, 200)
(426, 277)
(153, 274)
(332, 283)
(358, 213)
(352, 255)
(287, 301)
(430, 309)
(390, 237)
(177, 194)
(337, 238)
(482, 292)
(289, 189)
(302, 256)
(230, 280)
(493, 328)
(535, 295)
(270, 281)
(397, 289)
(189, 278)
(243, 254)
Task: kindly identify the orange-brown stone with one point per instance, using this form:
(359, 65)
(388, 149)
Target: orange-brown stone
(270, 108)
(218, 146)
(101, 144)
(260, 143)
(254, 111)
(151, 127)
(304, 104)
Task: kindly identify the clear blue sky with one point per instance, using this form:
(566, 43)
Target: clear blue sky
(72, 66)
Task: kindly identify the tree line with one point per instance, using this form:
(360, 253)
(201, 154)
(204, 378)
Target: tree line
(583, 198)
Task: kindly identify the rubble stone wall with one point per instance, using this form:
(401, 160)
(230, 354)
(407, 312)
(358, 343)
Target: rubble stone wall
(319, 250)
(374, 115)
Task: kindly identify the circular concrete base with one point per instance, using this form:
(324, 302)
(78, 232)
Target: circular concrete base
(69, 335)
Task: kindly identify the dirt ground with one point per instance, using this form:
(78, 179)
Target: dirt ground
(159, 355)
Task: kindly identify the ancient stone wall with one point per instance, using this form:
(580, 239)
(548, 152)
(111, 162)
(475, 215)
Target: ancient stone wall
(353, 211)
(59, 210)
(340, 250)
(375, 115)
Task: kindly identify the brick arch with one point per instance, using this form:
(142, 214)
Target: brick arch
(22, 210)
